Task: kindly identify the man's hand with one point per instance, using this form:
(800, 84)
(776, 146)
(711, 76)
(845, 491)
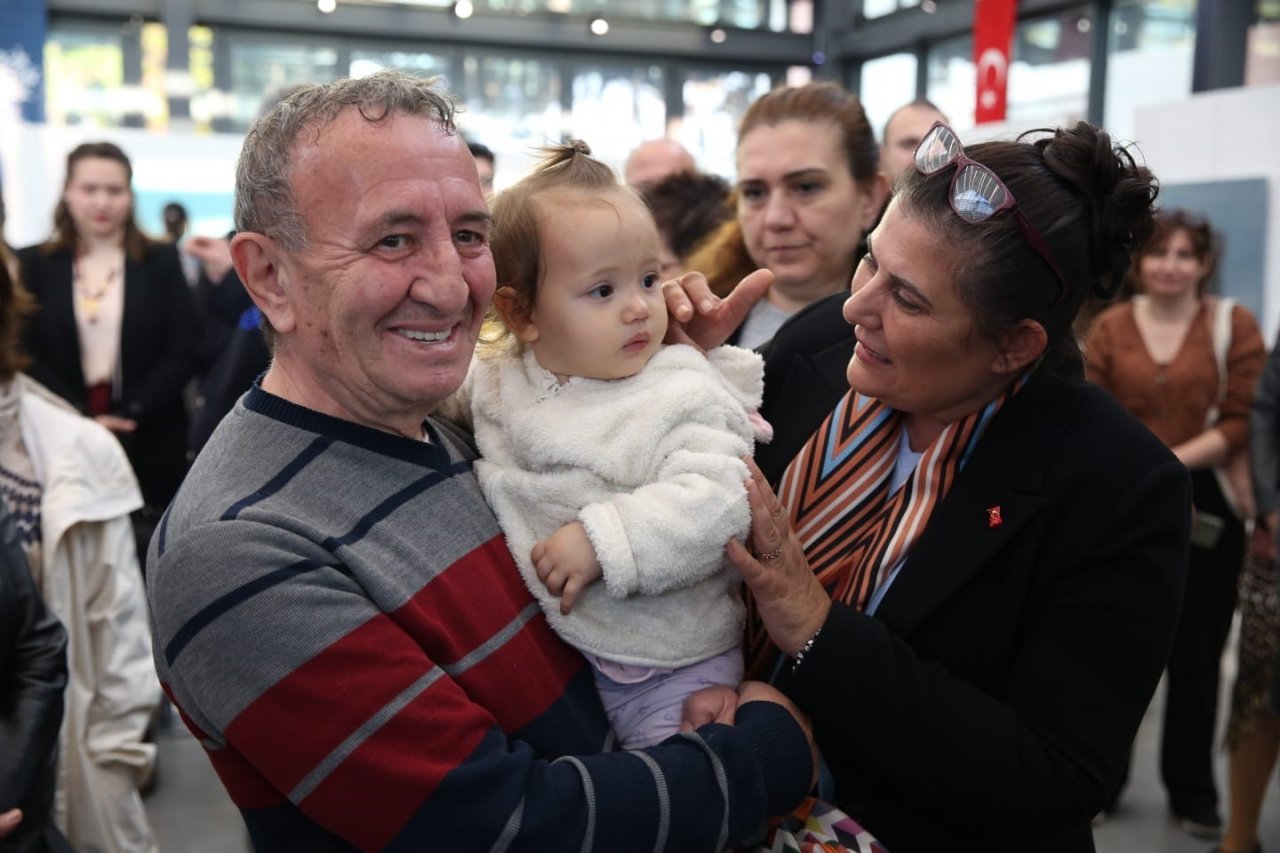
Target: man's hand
(566, 563)
(702, 319)
(213, 253)
(117, 424)
(9, 821)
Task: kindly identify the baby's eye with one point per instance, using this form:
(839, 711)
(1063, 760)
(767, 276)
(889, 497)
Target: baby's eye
(651, 281)
(601, 291)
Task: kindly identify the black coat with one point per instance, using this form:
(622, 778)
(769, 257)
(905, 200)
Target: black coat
(158, 341)
(991, 701)
(33, 674)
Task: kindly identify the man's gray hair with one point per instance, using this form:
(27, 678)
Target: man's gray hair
(264, 198)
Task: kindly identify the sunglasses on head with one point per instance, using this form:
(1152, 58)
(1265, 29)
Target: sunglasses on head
(977, 194)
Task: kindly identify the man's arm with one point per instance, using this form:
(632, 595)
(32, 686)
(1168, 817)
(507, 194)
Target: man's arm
(455, 719)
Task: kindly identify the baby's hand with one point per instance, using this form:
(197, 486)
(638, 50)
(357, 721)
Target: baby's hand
(566, 562)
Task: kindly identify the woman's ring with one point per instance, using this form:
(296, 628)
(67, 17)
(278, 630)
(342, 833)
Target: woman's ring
(772, 555)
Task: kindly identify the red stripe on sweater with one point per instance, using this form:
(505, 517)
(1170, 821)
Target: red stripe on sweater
(295, 724)
(481, 595)
(247, 788)
(371, 796)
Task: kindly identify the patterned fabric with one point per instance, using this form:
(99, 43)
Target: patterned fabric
(837, 492)
(818, 827)
(22, 496)
(1259, 645)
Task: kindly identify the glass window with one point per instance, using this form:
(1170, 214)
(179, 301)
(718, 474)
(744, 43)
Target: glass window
(1049, 77)
(952, 84)
(1262, 54)
(714, 102)
(886, 84)
(615, 107)
(366, 62)
(261, 68)
(1150, 45)
(84, 75)
(512, 106)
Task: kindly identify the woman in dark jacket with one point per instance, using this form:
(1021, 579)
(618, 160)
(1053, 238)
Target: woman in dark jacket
(115, 333)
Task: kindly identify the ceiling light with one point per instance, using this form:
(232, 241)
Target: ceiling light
(463, 9)
(326, 6)
(718, 36)
(599, 26)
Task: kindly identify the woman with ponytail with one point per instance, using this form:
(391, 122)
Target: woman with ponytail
(969, 577)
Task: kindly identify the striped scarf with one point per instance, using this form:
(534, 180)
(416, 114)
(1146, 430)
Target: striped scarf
(837, 493)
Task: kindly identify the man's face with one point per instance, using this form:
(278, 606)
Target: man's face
(385, 301)
(902, 136)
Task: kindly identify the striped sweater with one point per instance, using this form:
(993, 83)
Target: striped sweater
(339, 621)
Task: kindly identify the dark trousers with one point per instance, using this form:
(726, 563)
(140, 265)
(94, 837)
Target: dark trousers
(1191, 702)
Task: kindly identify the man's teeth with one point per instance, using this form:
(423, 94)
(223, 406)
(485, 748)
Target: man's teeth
(424, 336)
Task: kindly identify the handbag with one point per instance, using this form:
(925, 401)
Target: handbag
(1233, 476)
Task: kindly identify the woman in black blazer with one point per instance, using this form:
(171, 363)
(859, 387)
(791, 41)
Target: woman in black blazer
(973, 569)
(116, 329)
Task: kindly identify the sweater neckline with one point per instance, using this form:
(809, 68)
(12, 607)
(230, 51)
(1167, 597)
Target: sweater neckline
(438, 452)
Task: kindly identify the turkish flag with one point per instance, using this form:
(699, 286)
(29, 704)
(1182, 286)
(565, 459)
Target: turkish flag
(993, 23)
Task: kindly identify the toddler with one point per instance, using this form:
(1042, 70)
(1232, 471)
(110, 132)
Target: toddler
(613, 461)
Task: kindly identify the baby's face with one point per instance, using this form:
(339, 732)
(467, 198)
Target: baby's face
(600, 312)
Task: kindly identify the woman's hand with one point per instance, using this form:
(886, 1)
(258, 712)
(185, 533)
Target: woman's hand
(791, 602)
(704, 320)
(9, 821)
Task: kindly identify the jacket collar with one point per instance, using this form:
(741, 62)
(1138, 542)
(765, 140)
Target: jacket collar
(1006, 476)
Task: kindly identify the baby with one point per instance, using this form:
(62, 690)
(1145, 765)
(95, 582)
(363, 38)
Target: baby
(613, 461)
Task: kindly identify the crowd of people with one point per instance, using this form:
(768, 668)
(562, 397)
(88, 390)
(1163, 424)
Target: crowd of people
(634, 512)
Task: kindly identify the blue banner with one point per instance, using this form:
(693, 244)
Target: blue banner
(23, 25)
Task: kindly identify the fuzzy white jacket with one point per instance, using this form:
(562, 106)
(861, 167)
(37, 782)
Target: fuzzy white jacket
(652, 467)
(91, 582)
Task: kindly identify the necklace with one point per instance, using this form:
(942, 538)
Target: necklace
(90, 297)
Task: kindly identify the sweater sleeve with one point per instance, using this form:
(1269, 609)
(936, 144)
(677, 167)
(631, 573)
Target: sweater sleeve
(326, 718)
(1245, 359)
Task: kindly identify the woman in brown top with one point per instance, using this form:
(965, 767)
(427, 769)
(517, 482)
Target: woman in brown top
(1156, 355)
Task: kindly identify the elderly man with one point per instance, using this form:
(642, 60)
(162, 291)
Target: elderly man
(336, 612)
(651, 161)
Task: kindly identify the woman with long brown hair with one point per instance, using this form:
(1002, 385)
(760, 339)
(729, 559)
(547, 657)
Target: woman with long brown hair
(115, 329)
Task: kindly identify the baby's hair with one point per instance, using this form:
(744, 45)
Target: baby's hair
(565, 170)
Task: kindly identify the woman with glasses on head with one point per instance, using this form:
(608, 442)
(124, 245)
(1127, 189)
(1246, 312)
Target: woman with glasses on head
(116, 329)
(1186, 365)
(971, 573)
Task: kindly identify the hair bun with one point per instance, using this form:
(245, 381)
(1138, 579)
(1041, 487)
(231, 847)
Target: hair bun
(1120, 193)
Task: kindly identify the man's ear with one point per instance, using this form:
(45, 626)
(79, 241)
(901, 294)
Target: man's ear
(258, 263)
(1025, 343)
(875, 193)
(518, 319)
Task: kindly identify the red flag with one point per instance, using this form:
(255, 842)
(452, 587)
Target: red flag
(993, 23)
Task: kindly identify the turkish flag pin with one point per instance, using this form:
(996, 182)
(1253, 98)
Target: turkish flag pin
(993, 516)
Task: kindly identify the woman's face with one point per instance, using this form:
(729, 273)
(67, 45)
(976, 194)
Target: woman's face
(802, 213)
(98, 196)
(918, 350)
(1172, 270)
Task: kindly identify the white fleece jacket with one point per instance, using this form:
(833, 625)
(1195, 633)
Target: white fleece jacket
(652, 467)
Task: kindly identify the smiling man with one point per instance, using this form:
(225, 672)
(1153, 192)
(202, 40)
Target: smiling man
(335, 609)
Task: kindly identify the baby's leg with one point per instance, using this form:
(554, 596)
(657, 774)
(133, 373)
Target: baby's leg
(648, 712)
